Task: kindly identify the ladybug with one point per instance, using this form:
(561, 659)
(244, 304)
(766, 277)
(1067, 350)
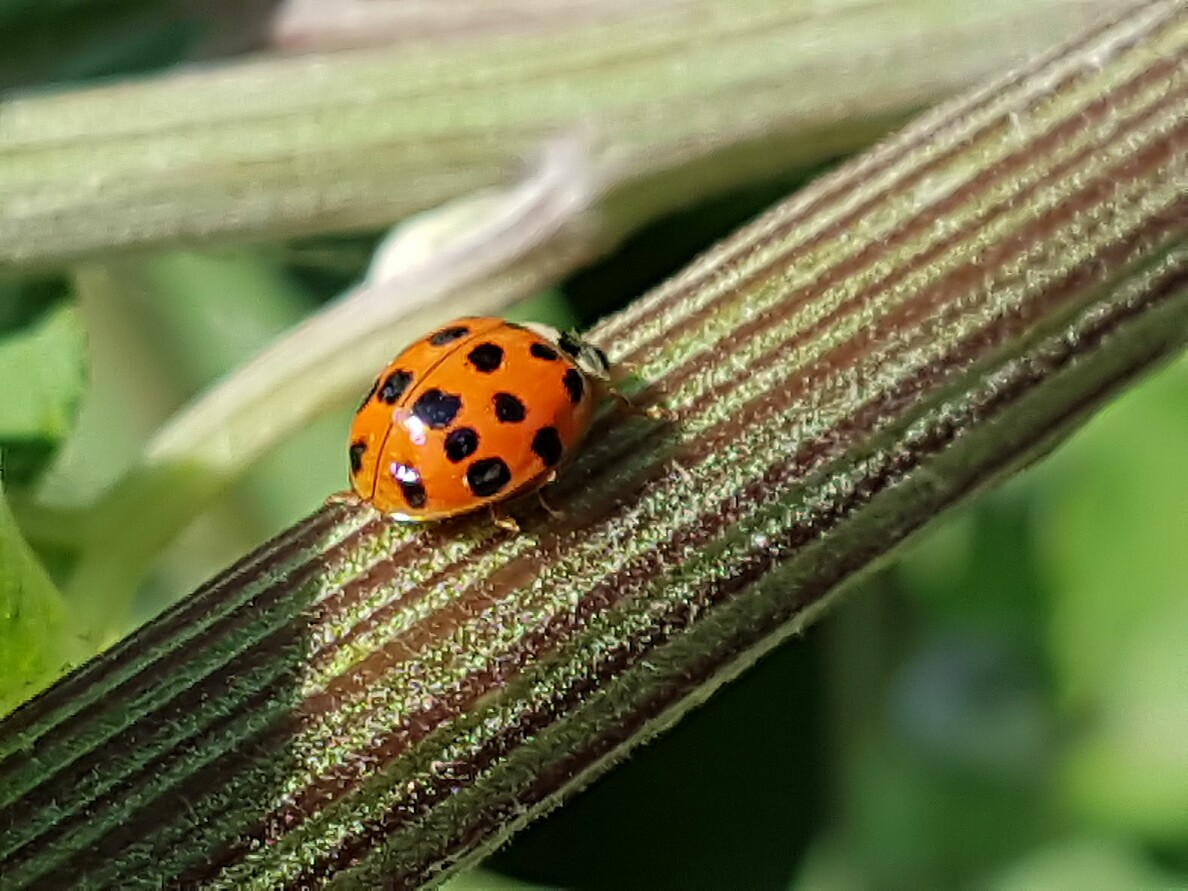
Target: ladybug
(477, 412)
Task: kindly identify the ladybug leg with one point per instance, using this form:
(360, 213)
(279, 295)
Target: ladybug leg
(548, 508)
(619, 374)
(503, 521)
(336, 498)
(653, 411)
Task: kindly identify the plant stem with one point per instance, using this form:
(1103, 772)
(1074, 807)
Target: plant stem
(361, 703)
(675, 101)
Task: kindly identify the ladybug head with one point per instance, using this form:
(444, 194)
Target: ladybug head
(592, 359)
(589, 358)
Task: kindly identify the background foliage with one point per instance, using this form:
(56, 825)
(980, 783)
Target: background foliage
(1003, 707)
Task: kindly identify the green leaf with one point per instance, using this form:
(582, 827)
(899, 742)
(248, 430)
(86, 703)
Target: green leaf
(23, 303)
(36, 643)
(1113, 551)
(486, 880)
(919, 821)
(1083, 864)
(1130, 769)
(43, 371)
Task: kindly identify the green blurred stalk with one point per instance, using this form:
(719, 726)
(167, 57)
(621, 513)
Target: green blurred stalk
(212, 312)
(669, 103)
(197, 315)
(361, 703)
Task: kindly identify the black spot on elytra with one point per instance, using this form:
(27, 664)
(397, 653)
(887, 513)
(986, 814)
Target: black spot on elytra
(410, 484)
(543, 351)
(486, 357)
(508, 408)
(461, 444)
(394, 385)
(414, 493)
(356, 451)
(547, 445)
(374, 386)
(448, 335)
(487, 476)
(574, 385)
(570, 344)
(437, 409)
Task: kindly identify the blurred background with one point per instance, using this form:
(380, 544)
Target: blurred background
(1005, 706)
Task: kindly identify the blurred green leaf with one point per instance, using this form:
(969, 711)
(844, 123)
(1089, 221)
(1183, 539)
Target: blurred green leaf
(1130, 770)
(549, 307)
(136, 47)
(919, 822)
(23, 303)
(43, 370)
(1111, 533)
(1113, 530)
(204, 313)
(34, 634)
(485, 880)
(1082, 865)
(978, 569)
(57, 42)
(971, 704)
(17, 12)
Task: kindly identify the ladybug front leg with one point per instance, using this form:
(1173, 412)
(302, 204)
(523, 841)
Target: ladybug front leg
(619, 374)
(502, 520)
(346, 496)
(548, 508)
(653, 411)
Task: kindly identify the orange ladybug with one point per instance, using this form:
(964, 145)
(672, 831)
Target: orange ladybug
(477, 412)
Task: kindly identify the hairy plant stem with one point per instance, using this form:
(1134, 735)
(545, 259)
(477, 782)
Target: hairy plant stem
(360, 703)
